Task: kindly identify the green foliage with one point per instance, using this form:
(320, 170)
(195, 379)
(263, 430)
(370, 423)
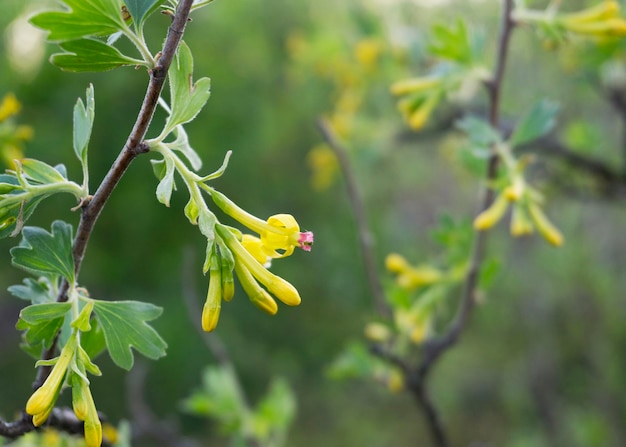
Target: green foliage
(124, 324)
(41, 252)
(42, 322)
(221, 398)
(187, 98)
(537, 122)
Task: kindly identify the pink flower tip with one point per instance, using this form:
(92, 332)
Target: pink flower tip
(306, 240)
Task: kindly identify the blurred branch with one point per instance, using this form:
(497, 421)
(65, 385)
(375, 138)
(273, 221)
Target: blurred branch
(366, 240)
(146, 424)
(433, 349)
(91, 209)
(61, 419)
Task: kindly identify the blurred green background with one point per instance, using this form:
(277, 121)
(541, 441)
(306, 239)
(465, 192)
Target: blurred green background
(543, 362)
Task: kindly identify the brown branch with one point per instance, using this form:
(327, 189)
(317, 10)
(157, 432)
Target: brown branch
(91, 210)
(433, 349)
(366, 241)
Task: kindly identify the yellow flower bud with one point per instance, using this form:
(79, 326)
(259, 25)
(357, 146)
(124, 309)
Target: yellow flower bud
(601, 11)
(377, 332)
(545, 227)
(284, 291)
(43, 399)
(257, 295)
(10, 106)
(520, 222)
(492, 215)
(396, 263)
(419, 117)
(395, 381)
(605, 28)
(213, 304)
(414, 85)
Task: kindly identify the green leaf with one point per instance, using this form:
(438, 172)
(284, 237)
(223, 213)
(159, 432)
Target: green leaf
(141, 9)
(187, 98)
(85, 18)
(277, 409)
(20, 216)
(482, 136)
(90, 55)
(36, 291)
(83, 123)
(41, 252)
(354, 362)
(453, 42)
(42, 322)
(219, 398)
(166, 185)
(124, 326)
(39, 172)
(537, 122)
(93, 342)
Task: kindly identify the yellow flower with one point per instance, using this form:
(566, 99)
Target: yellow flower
(395, 381)
(545, 227)
(255, 248)
(42, 401)
(492, 215)
(85, 410)
(280, 232)
(415, 85)
(368, 52)
(378, 332)
(411, 277)
(418, 117)
(601, 11)
(323, 162)
(9, 106)
(601, 20)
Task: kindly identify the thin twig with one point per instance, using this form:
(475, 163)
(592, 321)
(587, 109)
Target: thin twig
(433, 349)
(92, 209)
(366, 241)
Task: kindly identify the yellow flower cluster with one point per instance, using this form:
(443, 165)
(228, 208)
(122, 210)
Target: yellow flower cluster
(250, 256)
(527, 213)
(420, 97)
(69, 368)
(12, 136)
(601, 20)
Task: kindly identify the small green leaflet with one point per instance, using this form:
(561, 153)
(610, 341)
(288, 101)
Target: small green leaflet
(90, 55)
(42, 322)
(141, 9)
(187, 98)
(83, 122)
(482, 136)
(38, 172)
(166, 185)
(41, 252)
(26, 211)
(124, 324)
(537, 122)
(37, 291)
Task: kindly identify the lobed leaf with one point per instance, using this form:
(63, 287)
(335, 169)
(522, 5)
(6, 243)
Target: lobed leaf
(187, 98)
(90, 55)
(125, 326)
(84, 18)
(41, 252)
(141, 9)
(42, 322)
